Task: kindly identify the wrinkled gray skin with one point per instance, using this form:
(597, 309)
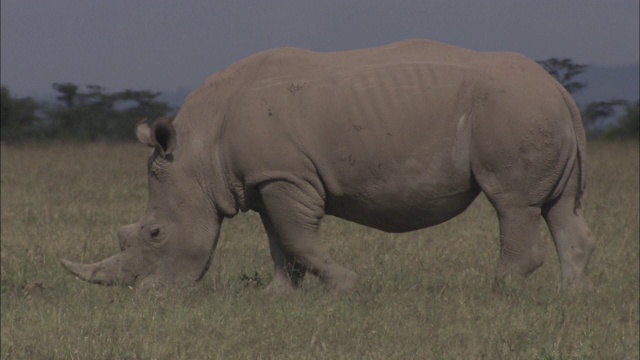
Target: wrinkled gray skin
(399, 138)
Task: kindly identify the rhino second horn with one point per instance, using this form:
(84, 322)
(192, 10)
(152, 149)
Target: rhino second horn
(106, 272)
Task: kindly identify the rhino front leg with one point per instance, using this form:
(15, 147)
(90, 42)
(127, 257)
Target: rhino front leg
(288, 273)
(294, 212)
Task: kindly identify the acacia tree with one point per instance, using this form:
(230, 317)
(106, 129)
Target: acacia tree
(68, 93)
(66, 118)
(564, 70)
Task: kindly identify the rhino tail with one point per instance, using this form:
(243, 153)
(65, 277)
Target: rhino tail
(581, 142)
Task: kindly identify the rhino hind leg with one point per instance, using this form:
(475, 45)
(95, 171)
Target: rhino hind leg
(294, 214)
(573, 240)
(288, 272)
(521, 246)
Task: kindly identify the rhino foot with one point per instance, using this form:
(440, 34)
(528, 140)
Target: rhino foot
(279, 285)
(340, 279)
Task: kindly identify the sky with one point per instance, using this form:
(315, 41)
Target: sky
(163, 45)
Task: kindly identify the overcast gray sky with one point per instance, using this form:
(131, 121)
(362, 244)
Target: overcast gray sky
(161, 44)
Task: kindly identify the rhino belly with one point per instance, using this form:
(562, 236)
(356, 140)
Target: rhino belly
(393, 211)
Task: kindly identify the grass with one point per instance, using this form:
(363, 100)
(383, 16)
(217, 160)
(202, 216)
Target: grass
(422, 295)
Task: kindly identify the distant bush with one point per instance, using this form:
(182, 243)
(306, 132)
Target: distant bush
(19, 118)
(89, 115)
(612, 119)
(627, 125)
(95, 114)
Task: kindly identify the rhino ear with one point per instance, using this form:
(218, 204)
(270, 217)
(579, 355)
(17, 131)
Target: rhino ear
(163, 136)
(143, 133)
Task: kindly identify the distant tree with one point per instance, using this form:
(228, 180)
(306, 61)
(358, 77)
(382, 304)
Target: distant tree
(18, 117)
(564, 70)
(66, 116)
(141, 104)
(68, 93)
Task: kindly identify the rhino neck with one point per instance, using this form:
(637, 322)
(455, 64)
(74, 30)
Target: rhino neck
(223, 196)
(203, 136)
(227, 202)
(213, 172)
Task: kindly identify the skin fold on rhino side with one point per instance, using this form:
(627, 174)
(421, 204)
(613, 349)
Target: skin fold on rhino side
(398, 138)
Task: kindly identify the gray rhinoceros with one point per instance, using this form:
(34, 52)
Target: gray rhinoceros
(398, 138)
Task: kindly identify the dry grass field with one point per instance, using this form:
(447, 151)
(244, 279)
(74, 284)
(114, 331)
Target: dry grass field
(422, 295)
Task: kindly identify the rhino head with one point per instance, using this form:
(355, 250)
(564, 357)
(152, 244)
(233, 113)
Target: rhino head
(174, 241)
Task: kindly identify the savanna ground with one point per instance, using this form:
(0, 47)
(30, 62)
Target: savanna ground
(422, 295)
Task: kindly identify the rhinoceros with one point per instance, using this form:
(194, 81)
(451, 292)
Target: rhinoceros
(398, 138)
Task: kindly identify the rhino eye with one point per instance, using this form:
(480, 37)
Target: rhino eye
(155, 232)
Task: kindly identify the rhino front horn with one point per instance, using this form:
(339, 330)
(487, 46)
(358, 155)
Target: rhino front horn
(110, 271)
